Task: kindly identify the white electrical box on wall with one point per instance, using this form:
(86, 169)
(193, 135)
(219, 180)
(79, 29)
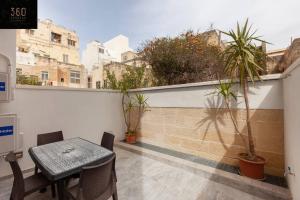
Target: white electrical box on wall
(5, 78)
(8, 133)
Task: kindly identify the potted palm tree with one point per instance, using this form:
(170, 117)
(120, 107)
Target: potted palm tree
(243, 64)
(139, 102)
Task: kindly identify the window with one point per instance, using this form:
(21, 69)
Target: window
(29, 31)
(65, 58)
(89, 82)
(19, 71)
(55, 37)
(45, 76)
(22, 49)
(101, 50)
(71, 43)
(105, 84)
(62, 80)
(98, 85)
(75, 77)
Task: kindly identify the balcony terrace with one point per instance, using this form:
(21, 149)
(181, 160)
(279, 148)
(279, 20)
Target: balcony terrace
(182, 118)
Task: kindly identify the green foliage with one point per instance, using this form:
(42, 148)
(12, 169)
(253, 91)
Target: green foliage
(138, 102)
(183, 59)
(242, 57)
(28, 80)
(112, 82)
(134, 77)
(224, 89)
(243, 61)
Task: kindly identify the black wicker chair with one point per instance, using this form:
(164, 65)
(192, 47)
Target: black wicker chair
(47, 138)
(107, 141)
(23, 187)
(96, 183)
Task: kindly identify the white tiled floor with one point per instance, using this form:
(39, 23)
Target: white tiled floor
(141, 178)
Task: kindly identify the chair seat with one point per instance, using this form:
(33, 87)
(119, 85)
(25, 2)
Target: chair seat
(72, 193)
(35, 182)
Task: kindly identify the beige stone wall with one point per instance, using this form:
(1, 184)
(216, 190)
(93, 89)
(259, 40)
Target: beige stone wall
(209, 133)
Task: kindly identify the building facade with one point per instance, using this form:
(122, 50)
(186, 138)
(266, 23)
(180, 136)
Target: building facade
(96, 55)
(279, 60)
(50, 53)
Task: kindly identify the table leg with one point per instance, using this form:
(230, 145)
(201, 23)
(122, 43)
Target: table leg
(60, 189)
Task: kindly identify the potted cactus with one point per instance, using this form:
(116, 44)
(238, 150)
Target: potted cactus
(243, 63)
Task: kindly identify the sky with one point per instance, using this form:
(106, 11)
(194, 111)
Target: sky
(277, 21)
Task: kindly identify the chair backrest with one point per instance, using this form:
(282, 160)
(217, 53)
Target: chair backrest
(47, 138)
(96, 181)
(108, 141)
(18, 189)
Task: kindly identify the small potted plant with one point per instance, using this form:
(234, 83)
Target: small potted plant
(129, 103)
(243, 61)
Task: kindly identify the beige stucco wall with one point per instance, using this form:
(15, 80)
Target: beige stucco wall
(209, 133)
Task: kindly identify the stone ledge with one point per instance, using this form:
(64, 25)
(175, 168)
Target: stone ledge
(257, 188)
(268, 77)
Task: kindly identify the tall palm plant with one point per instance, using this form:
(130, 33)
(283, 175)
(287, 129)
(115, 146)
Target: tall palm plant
(242, 58)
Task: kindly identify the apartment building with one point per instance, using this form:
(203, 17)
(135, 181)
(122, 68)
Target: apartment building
(50, 53)
(96, 55)
(279, 60)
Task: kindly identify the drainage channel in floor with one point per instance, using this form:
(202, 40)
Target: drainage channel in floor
(275, 180)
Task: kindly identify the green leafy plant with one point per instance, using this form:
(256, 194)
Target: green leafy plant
(133, 78)
(186, 58)
(225, 90)
(242, 62)
(138, 102)
(28, 80)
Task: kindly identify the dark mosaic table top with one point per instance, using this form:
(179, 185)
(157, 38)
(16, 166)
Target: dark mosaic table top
(62, 159)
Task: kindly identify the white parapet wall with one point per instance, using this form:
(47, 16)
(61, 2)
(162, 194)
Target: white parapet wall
(264, 94)
(291, 95)
(77, 112)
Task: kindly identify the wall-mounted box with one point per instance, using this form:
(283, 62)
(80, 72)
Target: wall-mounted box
(5, 85)
(8, 133)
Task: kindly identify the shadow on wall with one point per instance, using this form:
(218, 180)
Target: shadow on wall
(268, 133)
(209, 132)
(267, 128)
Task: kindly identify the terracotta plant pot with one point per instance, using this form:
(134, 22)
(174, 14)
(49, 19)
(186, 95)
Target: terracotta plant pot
(252, 168)
(131, 139)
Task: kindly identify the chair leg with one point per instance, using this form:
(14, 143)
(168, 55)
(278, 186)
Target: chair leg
(53, 190)
(115, 196)
(36, 170)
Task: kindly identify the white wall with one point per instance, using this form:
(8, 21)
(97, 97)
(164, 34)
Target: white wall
(117, 45)
(77, 112)
(291, 94)
(266, 94)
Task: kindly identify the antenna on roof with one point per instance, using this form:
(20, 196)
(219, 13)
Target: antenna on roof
(211, 26)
